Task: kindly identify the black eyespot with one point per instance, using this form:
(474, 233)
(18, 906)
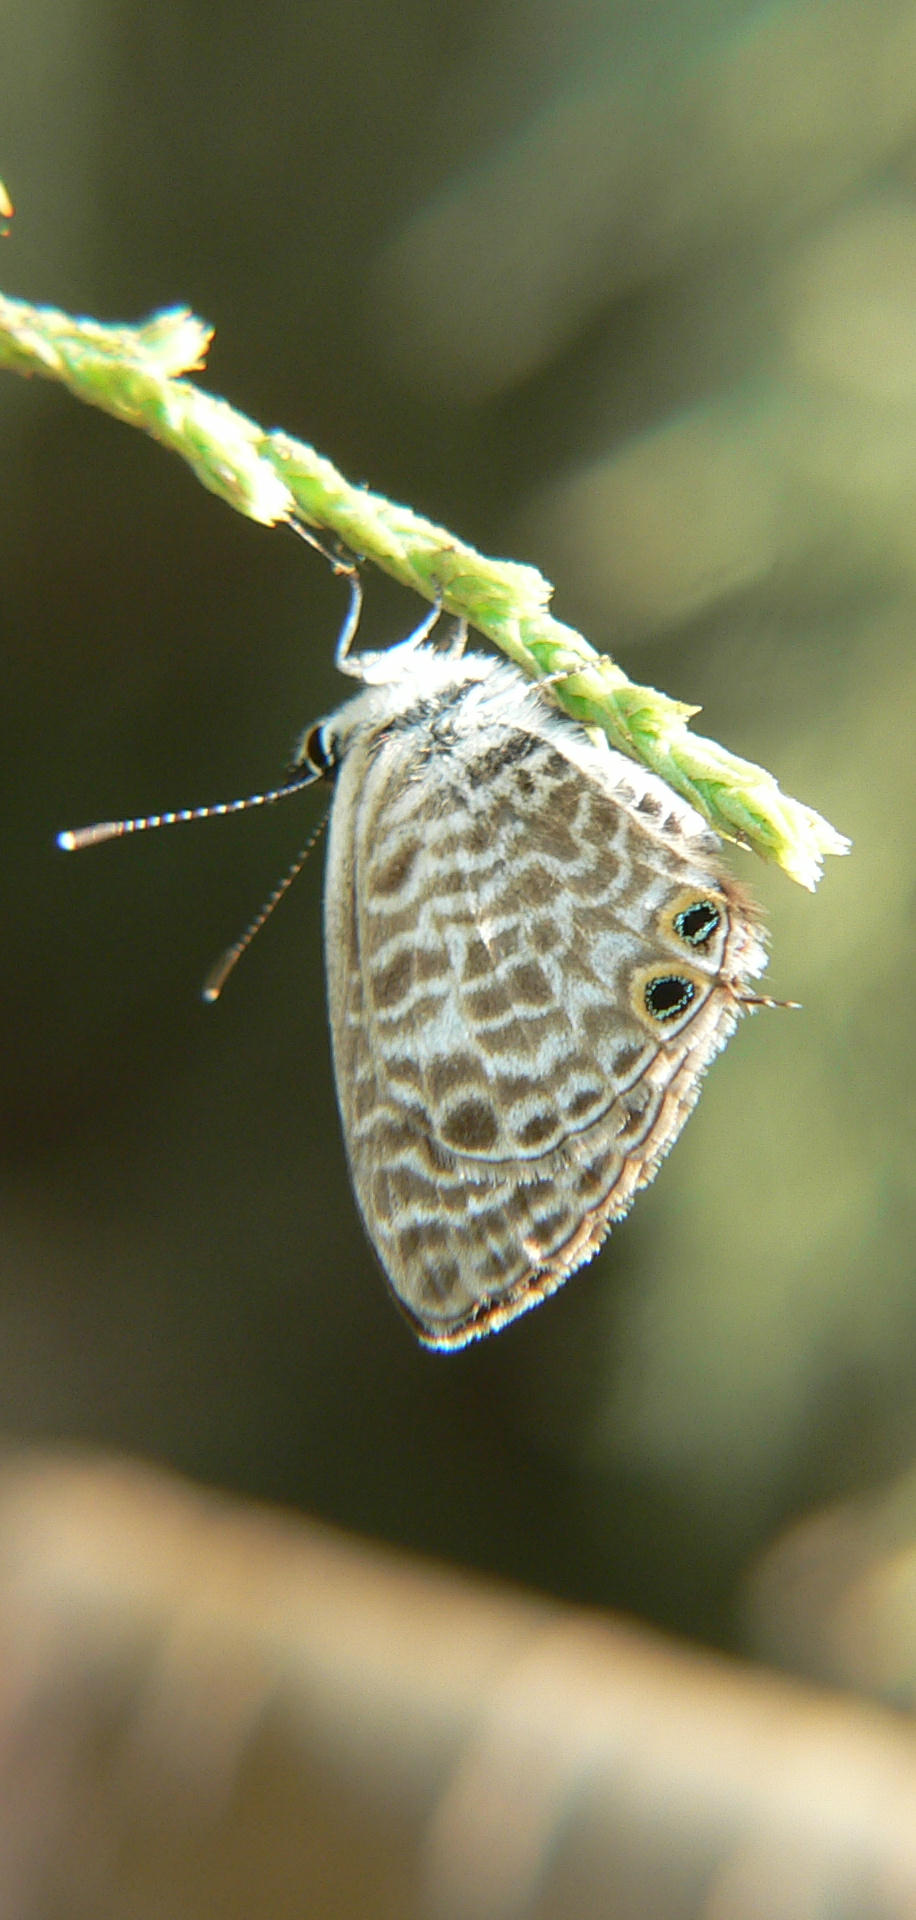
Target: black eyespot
(668, 995)
(698, 923)
(319, 751)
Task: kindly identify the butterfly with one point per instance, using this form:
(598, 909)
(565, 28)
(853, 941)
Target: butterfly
(533, 951)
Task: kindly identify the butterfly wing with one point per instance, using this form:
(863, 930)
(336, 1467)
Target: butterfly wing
(531, 960)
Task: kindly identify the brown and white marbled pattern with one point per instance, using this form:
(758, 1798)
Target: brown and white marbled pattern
(532, 955)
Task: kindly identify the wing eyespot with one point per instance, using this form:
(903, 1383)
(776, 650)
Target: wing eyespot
(697, 922)
(664, 998)
(667, 996)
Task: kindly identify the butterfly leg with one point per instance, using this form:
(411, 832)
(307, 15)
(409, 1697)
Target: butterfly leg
(453, 647)
(347, 633)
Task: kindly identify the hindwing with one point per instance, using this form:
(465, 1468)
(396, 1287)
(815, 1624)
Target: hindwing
(531, 961)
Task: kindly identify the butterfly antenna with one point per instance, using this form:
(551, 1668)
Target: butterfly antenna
(76, 838)
(219, 974)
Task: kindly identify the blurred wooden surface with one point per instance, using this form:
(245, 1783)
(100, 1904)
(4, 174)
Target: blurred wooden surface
(212, 1710)
(834, 1596)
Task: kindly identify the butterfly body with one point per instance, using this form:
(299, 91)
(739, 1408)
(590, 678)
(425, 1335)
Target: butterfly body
(532, 955)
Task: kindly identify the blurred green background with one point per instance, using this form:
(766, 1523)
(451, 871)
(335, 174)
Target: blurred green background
(627, 292)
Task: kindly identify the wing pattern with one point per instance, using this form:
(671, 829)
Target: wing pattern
(531, 961)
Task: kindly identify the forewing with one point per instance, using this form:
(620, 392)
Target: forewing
(495, 921)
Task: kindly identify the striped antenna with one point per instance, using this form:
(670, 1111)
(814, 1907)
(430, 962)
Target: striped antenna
(219, 974)
(73, 839)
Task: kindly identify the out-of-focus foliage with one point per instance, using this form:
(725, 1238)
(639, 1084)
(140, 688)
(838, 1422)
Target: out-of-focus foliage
(628, 292)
